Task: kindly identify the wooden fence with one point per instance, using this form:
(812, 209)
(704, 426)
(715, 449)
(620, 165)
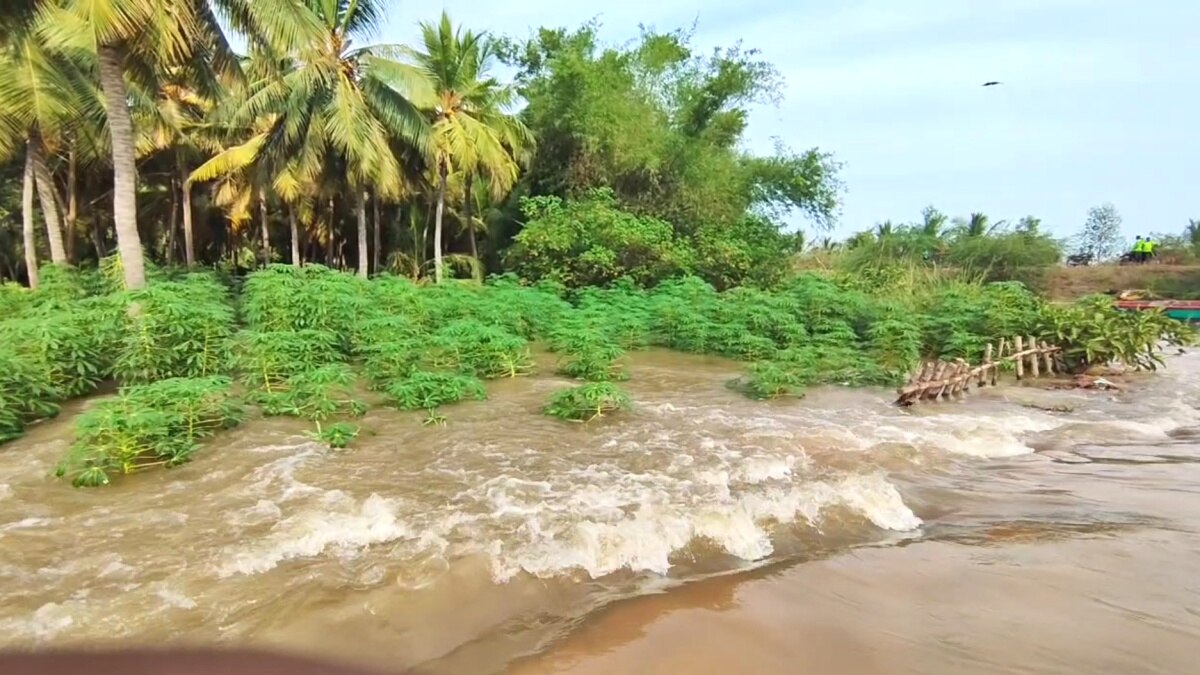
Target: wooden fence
(936, 380)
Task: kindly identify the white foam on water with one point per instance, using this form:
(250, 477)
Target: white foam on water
(337, 523)
(5, 491)
(984, 436)
(172, 597)
(27, 524)
(49, 620)
(643, 539)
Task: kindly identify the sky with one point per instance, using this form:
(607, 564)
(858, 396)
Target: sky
(1100, 100)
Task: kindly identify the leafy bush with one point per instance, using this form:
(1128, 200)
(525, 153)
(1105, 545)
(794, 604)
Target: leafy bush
(592, 242)
(425, 390)
(1092, 331)
(27, 393)
(336, 436)
(282, 298)
(147, 426)
(587, 402)
(267, 359)
(316, 394)
(478, 349)
(176, 329)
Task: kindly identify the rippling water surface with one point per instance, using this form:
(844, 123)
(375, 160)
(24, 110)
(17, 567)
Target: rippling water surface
(837, 532)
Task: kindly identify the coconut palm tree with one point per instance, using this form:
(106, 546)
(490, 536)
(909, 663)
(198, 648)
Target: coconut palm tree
(177, 120)
(933, 222)
(42, 97)
(472, 130)
(140, 39)
(332, 112)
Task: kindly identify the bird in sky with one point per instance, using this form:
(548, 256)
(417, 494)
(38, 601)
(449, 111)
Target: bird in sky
(992, 83)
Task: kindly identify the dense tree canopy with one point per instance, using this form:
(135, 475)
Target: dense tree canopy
(318, 137)
(663, 127)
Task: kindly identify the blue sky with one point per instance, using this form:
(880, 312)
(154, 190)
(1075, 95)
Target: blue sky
(1100, 102)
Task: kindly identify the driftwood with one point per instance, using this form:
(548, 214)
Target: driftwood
(935, 380)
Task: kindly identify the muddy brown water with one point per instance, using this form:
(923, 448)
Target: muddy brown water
(702, 533)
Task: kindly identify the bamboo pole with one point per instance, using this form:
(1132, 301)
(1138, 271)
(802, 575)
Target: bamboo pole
(962, 382)
(939, 380)
(987, 363)
(1035, 358)
(1020, 362)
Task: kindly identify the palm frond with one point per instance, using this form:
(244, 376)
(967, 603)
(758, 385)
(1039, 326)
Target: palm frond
(230, 161)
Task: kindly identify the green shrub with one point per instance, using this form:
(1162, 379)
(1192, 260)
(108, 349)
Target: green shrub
(27, 392)
(145, 426)
(587, 402)
(592, 242)
(425, 390)
(315, 394)
(486, 351)
(176, 329)
(267, 359)
(1092, 331)
(337, 436)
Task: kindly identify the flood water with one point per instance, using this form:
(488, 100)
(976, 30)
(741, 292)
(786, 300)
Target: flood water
(701, 533)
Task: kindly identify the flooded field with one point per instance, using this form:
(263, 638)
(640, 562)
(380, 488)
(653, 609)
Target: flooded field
(836, 534)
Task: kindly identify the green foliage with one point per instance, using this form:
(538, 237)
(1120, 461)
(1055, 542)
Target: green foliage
(592, 242)
(286, 298)
(662, 126)
(587, 402)
(317, 394)
(145, 426)
(788, 376)
(474, 348)
(337, 436)
(267, 359)
(176, 329)
(14, 299)
(27, 393)
(1092, 331)
(426, 390)
(595, 362)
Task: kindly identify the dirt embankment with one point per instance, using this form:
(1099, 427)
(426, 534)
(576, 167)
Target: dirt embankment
(1179, 282)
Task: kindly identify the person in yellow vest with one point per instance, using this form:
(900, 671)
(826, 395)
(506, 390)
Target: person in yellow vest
(1136, 253)
(1149, 244)
(1142, 251)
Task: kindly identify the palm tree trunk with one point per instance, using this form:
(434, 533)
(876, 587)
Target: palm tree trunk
(363, 254)
(172, 223)
(467, 213)
(329, 241)
(185, 186)
(72, 202)
(378, 252)
(266, 232)
(45, 190)
(120, 125)
(295, 236)
(437, 225)
(30, 244)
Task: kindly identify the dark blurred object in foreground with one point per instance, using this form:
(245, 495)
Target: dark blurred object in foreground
(181, 662)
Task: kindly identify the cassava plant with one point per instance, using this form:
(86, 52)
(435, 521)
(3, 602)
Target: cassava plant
(587, 402)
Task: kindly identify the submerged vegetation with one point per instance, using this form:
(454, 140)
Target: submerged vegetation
(194, 358)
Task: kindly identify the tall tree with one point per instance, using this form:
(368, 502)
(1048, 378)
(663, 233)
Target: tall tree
(331, 109)
(933, 222)
(43, 96)
(141, 39)
(1100, 237)
(29, 243)
(472, 130)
